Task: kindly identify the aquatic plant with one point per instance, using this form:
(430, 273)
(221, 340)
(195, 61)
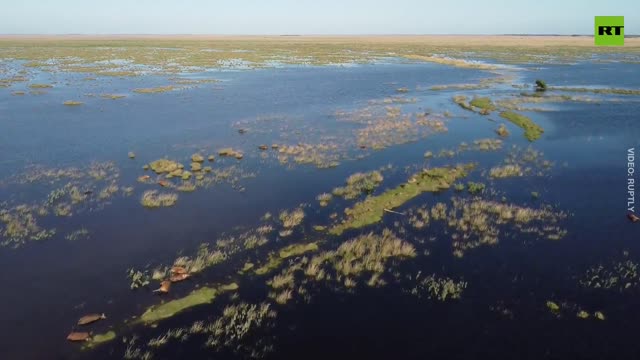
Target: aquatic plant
(293, 250)
(553, 307)
(452, 61)
(186, 187)
(419, 218)
(324, 199)
(280, 281)
(72, 103)
(113, 96)
(371, 209)
(291, 219)
(598, 90)
(369, 253)
(255, 241)
(500, 172)
(203, 295)
(138, 278)
(204, 258)
(20, 226)
(154, 199)
(99, 339)
(196, 166)
(476, 222)
(358, 184)
(75, 235)
(532, 131)
(487, 144)
(154, 90)
(582, 314)
(40, 86)
(197, 158)
(461, 100)
(541, 85)
(321, 155)
(502, 131)
(475, 188)
(620, 276)
(230, 152)
(281, 297)
(439, 288)
(237, 323)
(164, 166)
(297, 249)
(108, 191)
(484, 103)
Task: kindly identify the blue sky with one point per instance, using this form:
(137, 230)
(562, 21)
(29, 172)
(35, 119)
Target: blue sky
(310, 16)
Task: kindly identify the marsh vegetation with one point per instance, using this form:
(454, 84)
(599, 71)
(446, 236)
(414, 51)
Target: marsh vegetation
(411, 231)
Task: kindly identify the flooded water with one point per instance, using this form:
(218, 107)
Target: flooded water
(504, 310)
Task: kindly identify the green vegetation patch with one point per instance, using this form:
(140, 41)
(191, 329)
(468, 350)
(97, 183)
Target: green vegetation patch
(359, 183)
(297, 249)
(204, 295)
(532, 131)
(483, 103)
(275, 261)
(100, 339)
(461, 100)
(371, 210)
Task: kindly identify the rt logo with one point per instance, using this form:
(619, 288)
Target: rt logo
(609, 31)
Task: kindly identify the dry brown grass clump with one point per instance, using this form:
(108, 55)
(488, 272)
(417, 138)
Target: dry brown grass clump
(476, 222)
(161, 166)
(505, 171)
(154, 199)
(323, 155)
(291, 219)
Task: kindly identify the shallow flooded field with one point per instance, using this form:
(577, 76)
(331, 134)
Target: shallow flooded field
(332, 198)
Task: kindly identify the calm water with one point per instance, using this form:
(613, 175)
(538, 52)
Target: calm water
(47, 285)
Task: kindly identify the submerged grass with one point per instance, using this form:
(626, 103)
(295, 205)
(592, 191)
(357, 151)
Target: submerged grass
(532, 131)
